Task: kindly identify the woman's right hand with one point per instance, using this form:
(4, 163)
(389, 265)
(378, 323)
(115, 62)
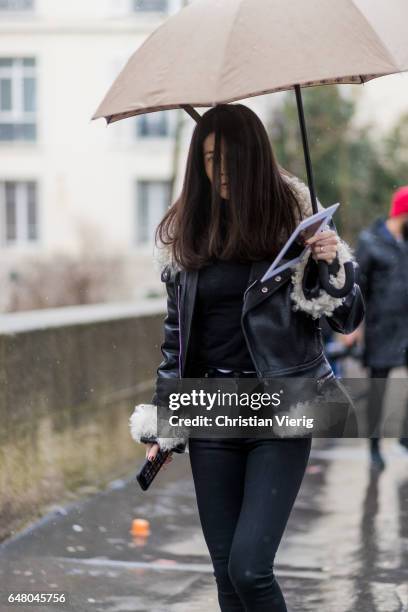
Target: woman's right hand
(152, 448)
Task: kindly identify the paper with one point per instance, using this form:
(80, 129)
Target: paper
(307, 228)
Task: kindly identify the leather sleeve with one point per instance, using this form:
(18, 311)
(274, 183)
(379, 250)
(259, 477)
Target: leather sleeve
(169, 367)
(311, 282)
(344, 315)
(347, 317)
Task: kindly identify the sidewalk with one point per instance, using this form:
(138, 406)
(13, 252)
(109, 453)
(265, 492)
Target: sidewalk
(345, 548)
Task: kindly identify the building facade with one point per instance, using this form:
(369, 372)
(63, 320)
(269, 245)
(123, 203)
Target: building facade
(68, 185)
(72, 186)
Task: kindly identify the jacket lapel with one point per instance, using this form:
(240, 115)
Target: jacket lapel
(262, 291)
(188, 282)
(258, 269)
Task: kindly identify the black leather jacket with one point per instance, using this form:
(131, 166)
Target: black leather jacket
(280, 325)
(283, 342)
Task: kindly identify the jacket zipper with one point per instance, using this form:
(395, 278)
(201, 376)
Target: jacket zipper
(250, 351)
(247, 289)
(245, 334)
(320, 381)
(180, 334)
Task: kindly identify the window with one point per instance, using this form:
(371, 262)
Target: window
(16, 5)
(19, 214)
(152, 125)
(150, 5)
(153, 199)
(18, 99)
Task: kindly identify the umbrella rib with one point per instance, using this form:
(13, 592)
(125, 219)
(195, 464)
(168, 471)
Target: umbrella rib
(192, 112)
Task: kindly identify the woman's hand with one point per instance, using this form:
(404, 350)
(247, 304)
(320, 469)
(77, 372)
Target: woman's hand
(323, 245)
(151, 451)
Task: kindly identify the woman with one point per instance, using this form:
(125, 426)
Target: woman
(236, 210)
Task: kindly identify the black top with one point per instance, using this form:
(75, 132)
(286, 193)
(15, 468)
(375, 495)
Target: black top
(217, 335)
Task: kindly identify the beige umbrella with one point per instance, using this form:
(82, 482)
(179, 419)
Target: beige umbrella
(220, 51)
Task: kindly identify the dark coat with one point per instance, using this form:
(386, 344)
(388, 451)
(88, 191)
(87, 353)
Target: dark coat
(383, 278)
(283, 342)
(294, 345)
(280, 325)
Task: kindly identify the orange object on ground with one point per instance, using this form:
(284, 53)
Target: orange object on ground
(140, 527)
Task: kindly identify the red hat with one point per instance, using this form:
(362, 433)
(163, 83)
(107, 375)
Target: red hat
(399, 204)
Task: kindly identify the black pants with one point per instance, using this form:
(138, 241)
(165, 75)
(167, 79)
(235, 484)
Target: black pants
(375, 402)
(245, 489)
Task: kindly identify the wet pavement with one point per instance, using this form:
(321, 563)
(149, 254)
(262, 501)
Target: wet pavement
(345, 548)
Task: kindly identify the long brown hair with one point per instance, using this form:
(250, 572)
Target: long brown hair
(260, 212)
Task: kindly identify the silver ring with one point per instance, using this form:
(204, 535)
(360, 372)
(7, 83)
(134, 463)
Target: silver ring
(321, 249)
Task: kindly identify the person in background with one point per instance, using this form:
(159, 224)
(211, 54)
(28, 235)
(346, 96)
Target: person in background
(382, 255)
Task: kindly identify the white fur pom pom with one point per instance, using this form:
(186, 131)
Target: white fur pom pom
(143, 423)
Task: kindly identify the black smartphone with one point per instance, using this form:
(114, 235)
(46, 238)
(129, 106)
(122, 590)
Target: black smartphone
(149, 469)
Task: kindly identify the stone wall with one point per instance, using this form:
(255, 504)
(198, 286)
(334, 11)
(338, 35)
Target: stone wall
(69, 379)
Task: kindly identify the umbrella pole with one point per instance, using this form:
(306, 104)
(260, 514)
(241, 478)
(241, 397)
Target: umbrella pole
(306, 150)
(322, 265)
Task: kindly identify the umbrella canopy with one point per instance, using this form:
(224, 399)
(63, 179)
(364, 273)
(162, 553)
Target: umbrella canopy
(220, 51)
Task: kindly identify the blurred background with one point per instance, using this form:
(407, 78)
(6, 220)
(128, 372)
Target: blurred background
(79, 201)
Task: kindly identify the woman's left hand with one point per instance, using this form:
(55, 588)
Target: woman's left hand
(324, 245)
